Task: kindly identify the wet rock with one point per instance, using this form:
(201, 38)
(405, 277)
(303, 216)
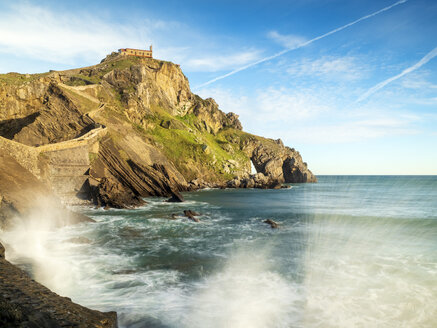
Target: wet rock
(2, 251)
(176, 198)
(173, 217)
(272, 223)
(111, 193)
(26, 303)
(191, 215)
(192, 212)
(275, 185)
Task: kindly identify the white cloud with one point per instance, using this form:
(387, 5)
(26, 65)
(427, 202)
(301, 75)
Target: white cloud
(217, 62)
(336, 68)
(286, 105)
(287, 41)
(44, 34)
(270, 106)
(314, 115)
(418, 82)
(350, 131)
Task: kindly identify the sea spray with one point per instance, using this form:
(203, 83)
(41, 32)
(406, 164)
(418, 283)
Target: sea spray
(247, 292)
(28, 242)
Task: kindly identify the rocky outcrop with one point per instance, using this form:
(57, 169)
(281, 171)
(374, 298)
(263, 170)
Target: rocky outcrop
(157, 135)
(176, 198)
(122, 183)
(50, 116)
(26, 303)
(277, 162)
(212, 119)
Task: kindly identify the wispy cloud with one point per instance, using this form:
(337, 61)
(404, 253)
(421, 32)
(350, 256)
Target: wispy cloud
(271, 106)
(63, 37)
(430, 55)
(313, 115)
(334, 68)
(418, 82)
(213, 63)
(287, 41)
(300, 45)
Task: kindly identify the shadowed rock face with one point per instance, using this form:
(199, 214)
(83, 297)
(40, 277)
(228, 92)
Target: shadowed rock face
(55, 118)
(122, 183)
(26, 303)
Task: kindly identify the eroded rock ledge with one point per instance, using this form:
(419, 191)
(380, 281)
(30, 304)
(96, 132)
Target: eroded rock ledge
(26, 303)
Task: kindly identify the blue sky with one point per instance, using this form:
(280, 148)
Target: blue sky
(362, 100)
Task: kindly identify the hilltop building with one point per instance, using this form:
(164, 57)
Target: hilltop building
(136, 52)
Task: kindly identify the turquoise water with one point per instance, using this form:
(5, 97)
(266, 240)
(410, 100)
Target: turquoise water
(351, 251)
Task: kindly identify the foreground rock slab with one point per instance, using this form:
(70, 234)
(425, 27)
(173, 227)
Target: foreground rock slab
(26, 303)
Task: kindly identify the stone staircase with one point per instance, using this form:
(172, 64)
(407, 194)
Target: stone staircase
(64, 165)
(68, 174)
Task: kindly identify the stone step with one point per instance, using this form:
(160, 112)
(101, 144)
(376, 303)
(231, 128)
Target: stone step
(76, 156)
(76, 170)
(72, 198)
(68, 184)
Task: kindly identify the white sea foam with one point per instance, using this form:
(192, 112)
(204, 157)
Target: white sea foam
(247, 292)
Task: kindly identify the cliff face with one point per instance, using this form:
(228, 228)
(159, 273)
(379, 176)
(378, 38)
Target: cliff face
(159, 137)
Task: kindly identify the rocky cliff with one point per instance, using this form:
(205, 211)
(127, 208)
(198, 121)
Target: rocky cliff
(159, 138)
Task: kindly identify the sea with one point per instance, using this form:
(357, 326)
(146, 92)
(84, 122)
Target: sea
(350, 251)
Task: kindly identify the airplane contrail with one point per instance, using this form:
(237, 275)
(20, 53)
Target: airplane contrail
(430, 55)
(300, 45)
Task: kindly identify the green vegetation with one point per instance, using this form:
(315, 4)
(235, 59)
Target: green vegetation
(92, 157)
(190, 145)
(17, 78)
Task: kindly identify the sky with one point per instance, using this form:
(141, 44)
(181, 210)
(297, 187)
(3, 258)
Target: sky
(351, 84)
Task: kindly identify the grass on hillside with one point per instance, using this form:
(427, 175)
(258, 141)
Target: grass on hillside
(18, 78)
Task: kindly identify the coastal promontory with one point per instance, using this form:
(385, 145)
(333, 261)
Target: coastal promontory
(129, 128)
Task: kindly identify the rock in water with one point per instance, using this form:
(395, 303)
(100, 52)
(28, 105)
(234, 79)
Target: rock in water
(272, 223)
(190, 212)
(191, 215)
(176, 198)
